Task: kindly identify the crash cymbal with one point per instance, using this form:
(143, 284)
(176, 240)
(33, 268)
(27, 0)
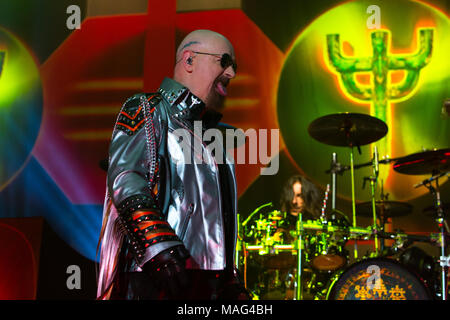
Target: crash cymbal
(347, 129)
(391, 209)
(427, 162)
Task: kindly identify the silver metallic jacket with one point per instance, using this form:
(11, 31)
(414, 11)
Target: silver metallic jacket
(148, 170)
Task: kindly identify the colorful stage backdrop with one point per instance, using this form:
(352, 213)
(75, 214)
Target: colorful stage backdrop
(62, 84)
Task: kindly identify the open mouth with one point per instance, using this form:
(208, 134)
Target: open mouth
(221, 88)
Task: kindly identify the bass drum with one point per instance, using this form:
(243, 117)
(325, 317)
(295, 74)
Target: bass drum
(377, 279)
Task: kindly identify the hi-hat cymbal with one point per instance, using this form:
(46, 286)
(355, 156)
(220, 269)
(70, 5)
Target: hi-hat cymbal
(427, 162)
(347, 129)
(390, 209)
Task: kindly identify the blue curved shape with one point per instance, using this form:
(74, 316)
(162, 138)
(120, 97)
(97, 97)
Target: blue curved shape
(34, 193)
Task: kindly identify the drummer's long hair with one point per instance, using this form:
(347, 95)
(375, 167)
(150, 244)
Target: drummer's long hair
(310, 193)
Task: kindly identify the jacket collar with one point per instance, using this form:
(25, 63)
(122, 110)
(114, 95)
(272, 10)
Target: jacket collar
(185, 105)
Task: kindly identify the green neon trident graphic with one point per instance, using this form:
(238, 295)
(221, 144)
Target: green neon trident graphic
(2, 59)
(380, 93)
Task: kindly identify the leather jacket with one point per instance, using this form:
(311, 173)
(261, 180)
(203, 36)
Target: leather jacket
(148, 170)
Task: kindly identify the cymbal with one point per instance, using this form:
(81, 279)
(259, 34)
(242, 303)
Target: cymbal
(391, 209)
(347, 129)
(427, 162)
(431, 211)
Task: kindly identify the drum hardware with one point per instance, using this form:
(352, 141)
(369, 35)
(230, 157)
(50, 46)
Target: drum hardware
(261, 230)
(404, 240)
(444, 261)
(442, 226)
(348, 130)
(321, 233)
(241, 238)
(276, 215)
(276, 248)
(255, 212)
(340, 169)
(333, 170)
(431, 210)
(298, 284)
(324, 206)
(373, 181)
(437, 164)
(384, 209)
(435, 177)
(328, 255)
(368, 208)
(282, 256)
(399, 236)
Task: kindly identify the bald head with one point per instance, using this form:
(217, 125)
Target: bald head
(200, 68)
(200, 39)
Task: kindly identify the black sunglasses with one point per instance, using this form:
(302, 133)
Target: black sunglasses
(225, 59)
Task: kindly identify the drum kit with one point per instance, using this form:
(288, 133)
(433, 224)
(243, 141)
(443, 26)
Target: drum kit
(311, 260)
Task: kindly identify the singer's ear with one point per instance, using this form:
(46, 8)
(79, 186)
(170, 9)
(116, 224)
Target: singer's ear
(187, 61)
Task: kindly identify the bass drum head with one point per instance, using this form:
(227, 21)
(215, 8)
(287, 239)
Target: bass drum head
(359, 282)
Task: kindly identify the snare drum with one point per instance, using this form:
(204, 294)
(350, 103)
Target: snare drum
(377, 279)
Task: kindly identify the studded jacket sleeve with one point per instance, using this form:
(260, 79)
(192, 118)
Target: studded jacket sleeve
(133, 178)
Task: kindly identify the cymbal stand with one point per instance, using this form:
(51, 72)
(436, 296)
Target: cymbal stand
(334, 170)
(239, 241)
(299, 289)
(383, 218)
(444, 260)
(373, 182)
(352, 170)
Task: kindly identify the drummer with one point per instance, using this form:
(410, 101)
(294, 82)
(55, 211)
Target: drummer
(299, 195)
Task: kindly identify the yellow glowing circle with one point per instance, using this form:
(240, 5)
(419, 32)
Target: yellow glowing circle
(20, 106)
